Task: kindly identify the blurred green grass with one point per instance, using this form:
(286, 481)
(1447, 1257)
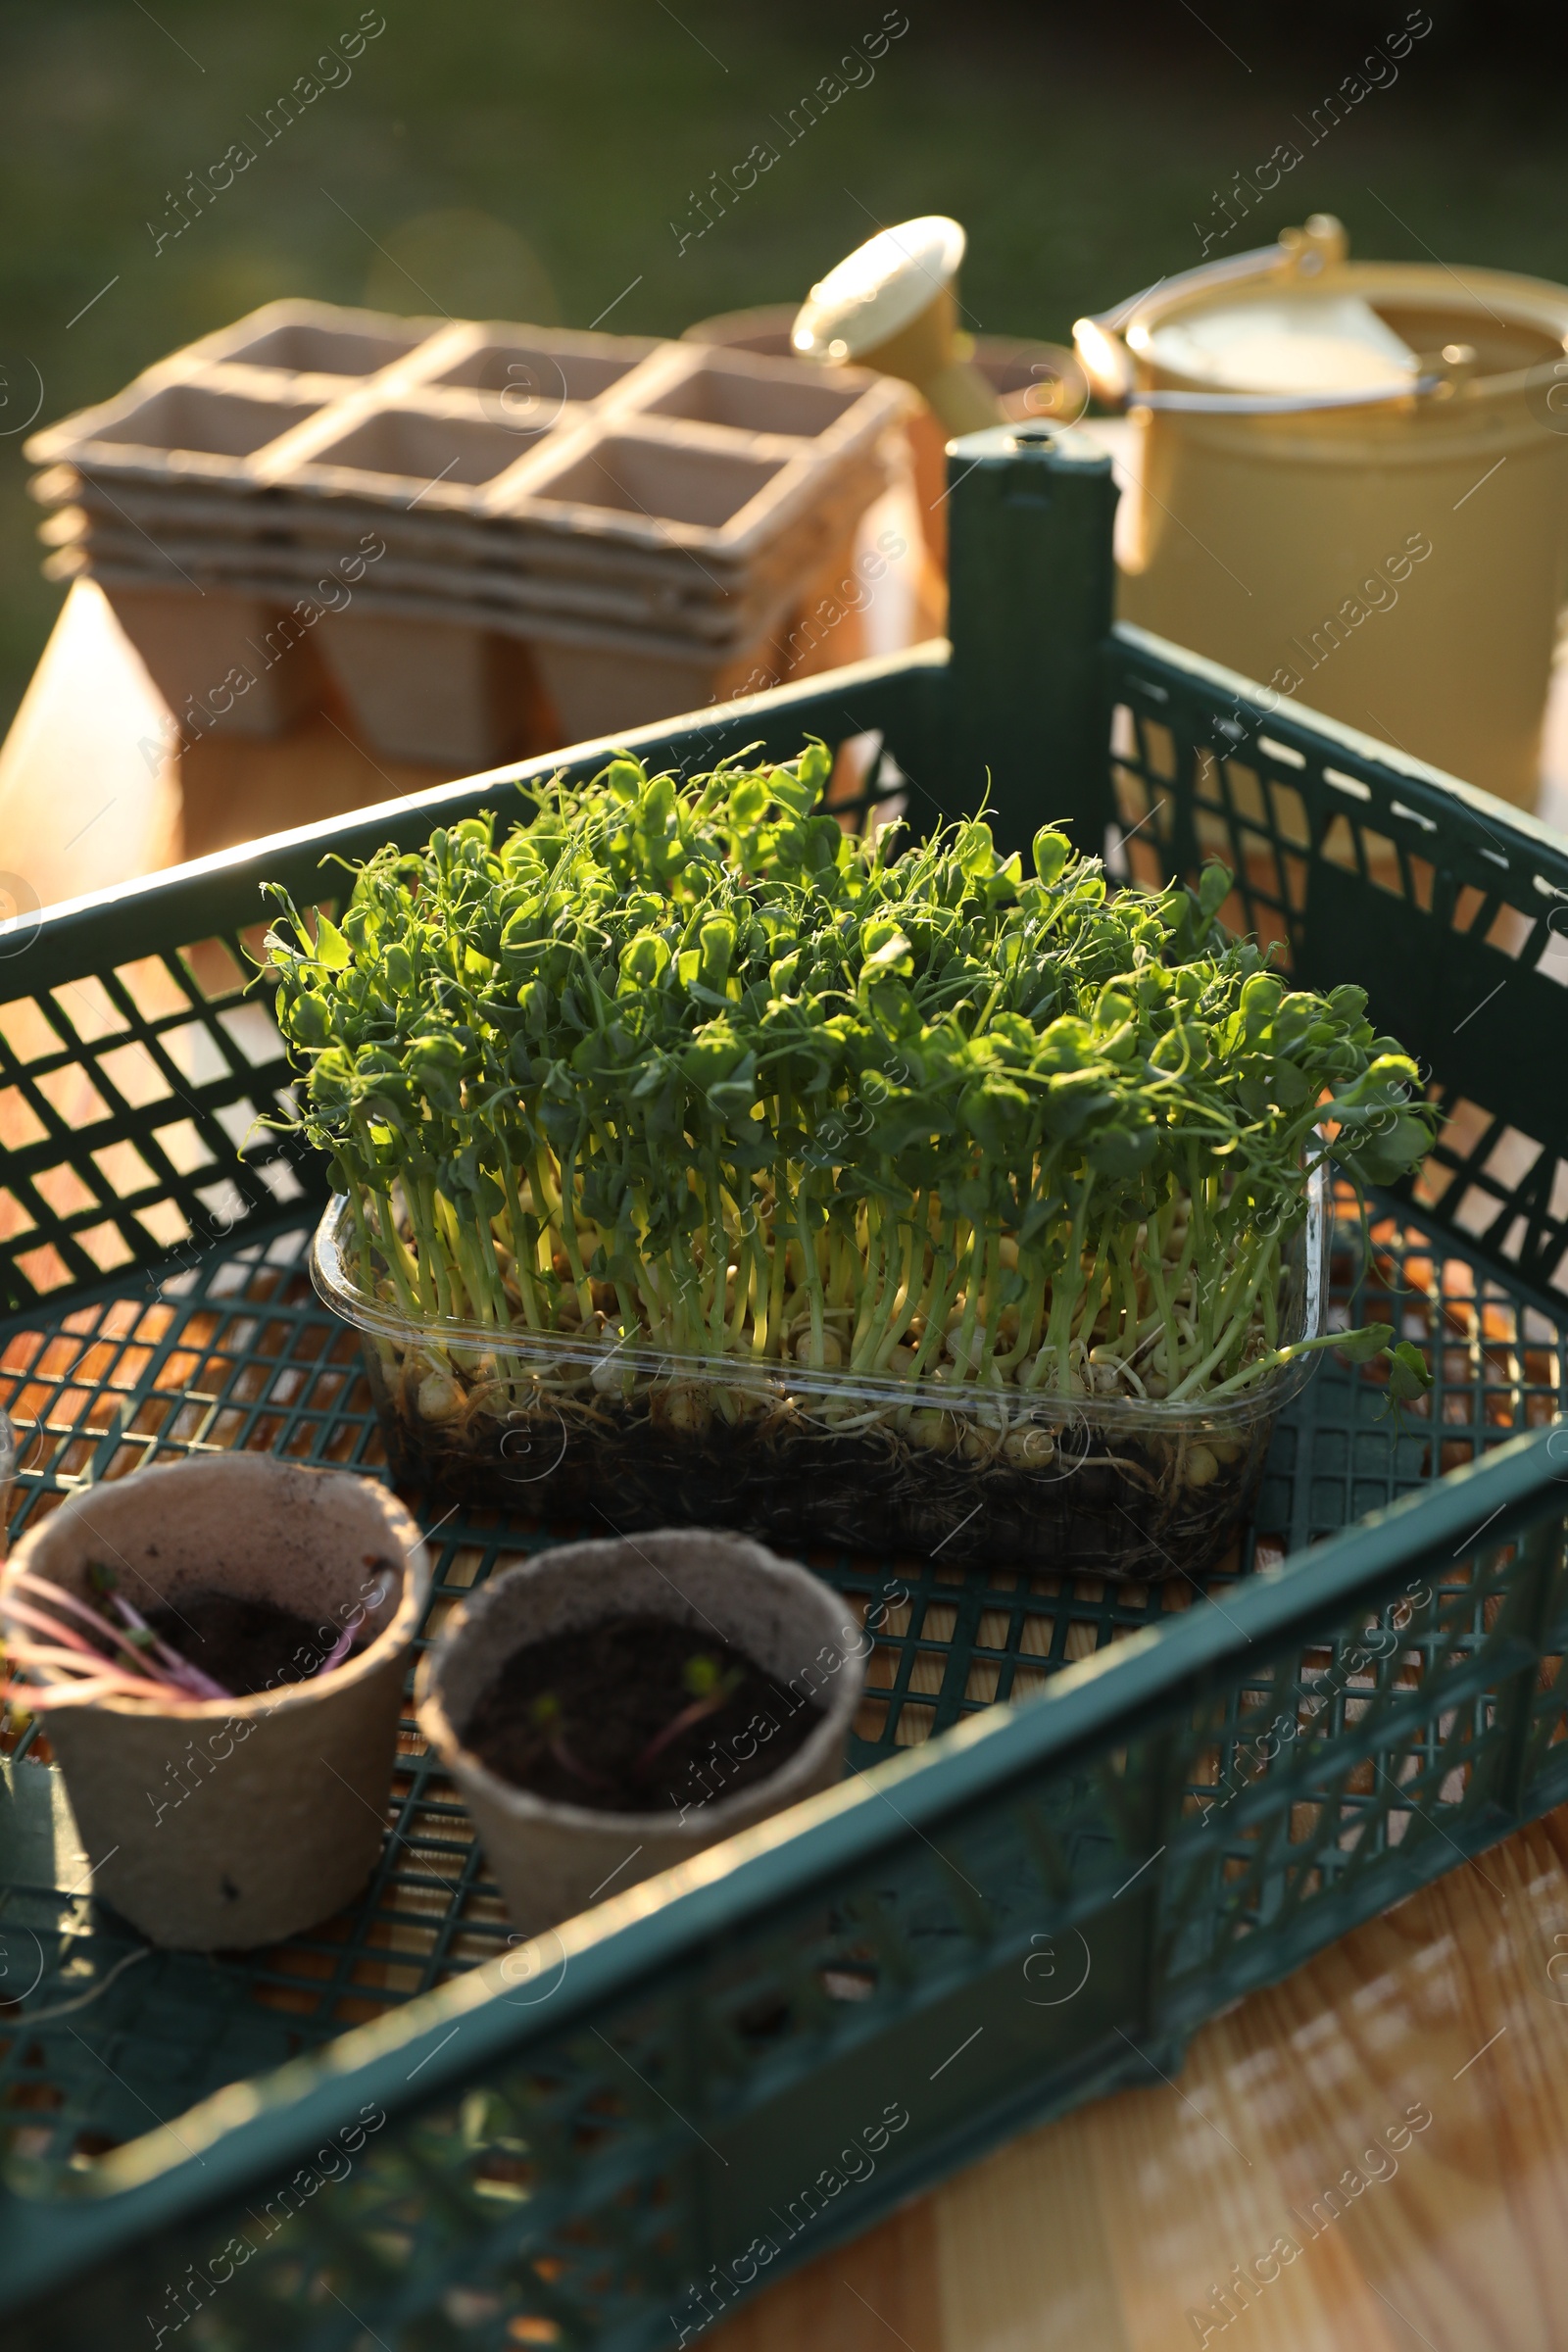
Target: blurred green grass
(524, 162)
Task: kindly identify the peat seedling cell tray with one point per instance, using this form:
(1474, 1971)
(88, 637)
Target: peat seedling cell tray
(240, 1353)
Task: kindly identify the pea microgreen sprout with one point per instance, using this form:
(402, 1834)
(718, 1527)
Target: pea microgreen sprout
(682, 1067)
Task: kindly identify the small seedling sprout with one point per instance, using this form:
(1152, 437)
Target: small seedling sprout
(547, 1720)
(711, 1689)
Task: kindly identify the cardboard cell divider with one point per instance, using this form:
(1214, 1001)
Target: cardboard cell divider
(276, 518)
(676, 596)
(203, 647)
(422, 687)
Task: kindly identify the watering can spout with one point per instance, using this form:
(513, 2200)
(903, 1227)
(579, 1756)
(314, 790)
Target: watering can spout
(892, 305)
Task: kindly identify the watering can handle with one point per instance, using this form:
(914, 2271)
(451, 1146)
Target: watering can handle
(1104, 357)
(1298, 253)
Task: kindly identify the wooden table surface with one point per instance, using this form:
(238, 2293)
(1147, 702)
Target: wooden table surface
(1114, 2230)
(95, 788)
(1117, 2229)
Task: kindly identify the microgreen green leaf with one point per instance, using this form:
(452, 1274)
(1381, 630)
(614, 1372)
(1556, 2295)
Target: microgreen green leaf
(1409, 1375)
(680, 1061)
(1363, 1346)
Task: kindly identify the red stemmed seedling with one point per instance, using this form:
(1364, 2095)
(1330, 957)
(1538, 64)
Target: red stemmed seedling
(545, 1714)
(43, 1629)
(711, 1690)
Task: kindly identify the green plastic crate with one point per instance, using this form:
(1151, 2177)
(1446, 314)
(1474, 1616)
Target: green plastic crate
(406, 2127)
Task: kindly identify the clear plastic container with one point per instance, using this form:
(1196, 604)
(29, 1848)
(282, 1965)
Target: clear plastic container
(627, 1437)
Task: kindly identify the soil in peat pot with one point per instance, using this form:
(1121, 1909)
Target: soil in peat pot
(246, 1645)
(632, 1715)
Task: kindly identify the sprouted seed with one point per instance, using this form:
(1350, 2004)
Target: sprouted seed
(547, 1719)
(711, 1688)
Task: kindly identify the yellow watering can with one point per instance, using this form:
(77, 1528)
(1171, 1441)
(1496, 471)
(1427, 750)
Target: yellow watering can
(1353, 486)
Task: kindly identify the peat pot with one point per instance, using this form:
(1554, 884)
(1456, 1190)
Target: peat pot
(553, 1859)
(232, 1822)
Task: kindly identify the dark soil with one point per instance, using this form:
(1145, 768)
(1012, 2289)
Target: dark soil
(1112, 1508)
(247, 1645)
(571, 1719)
